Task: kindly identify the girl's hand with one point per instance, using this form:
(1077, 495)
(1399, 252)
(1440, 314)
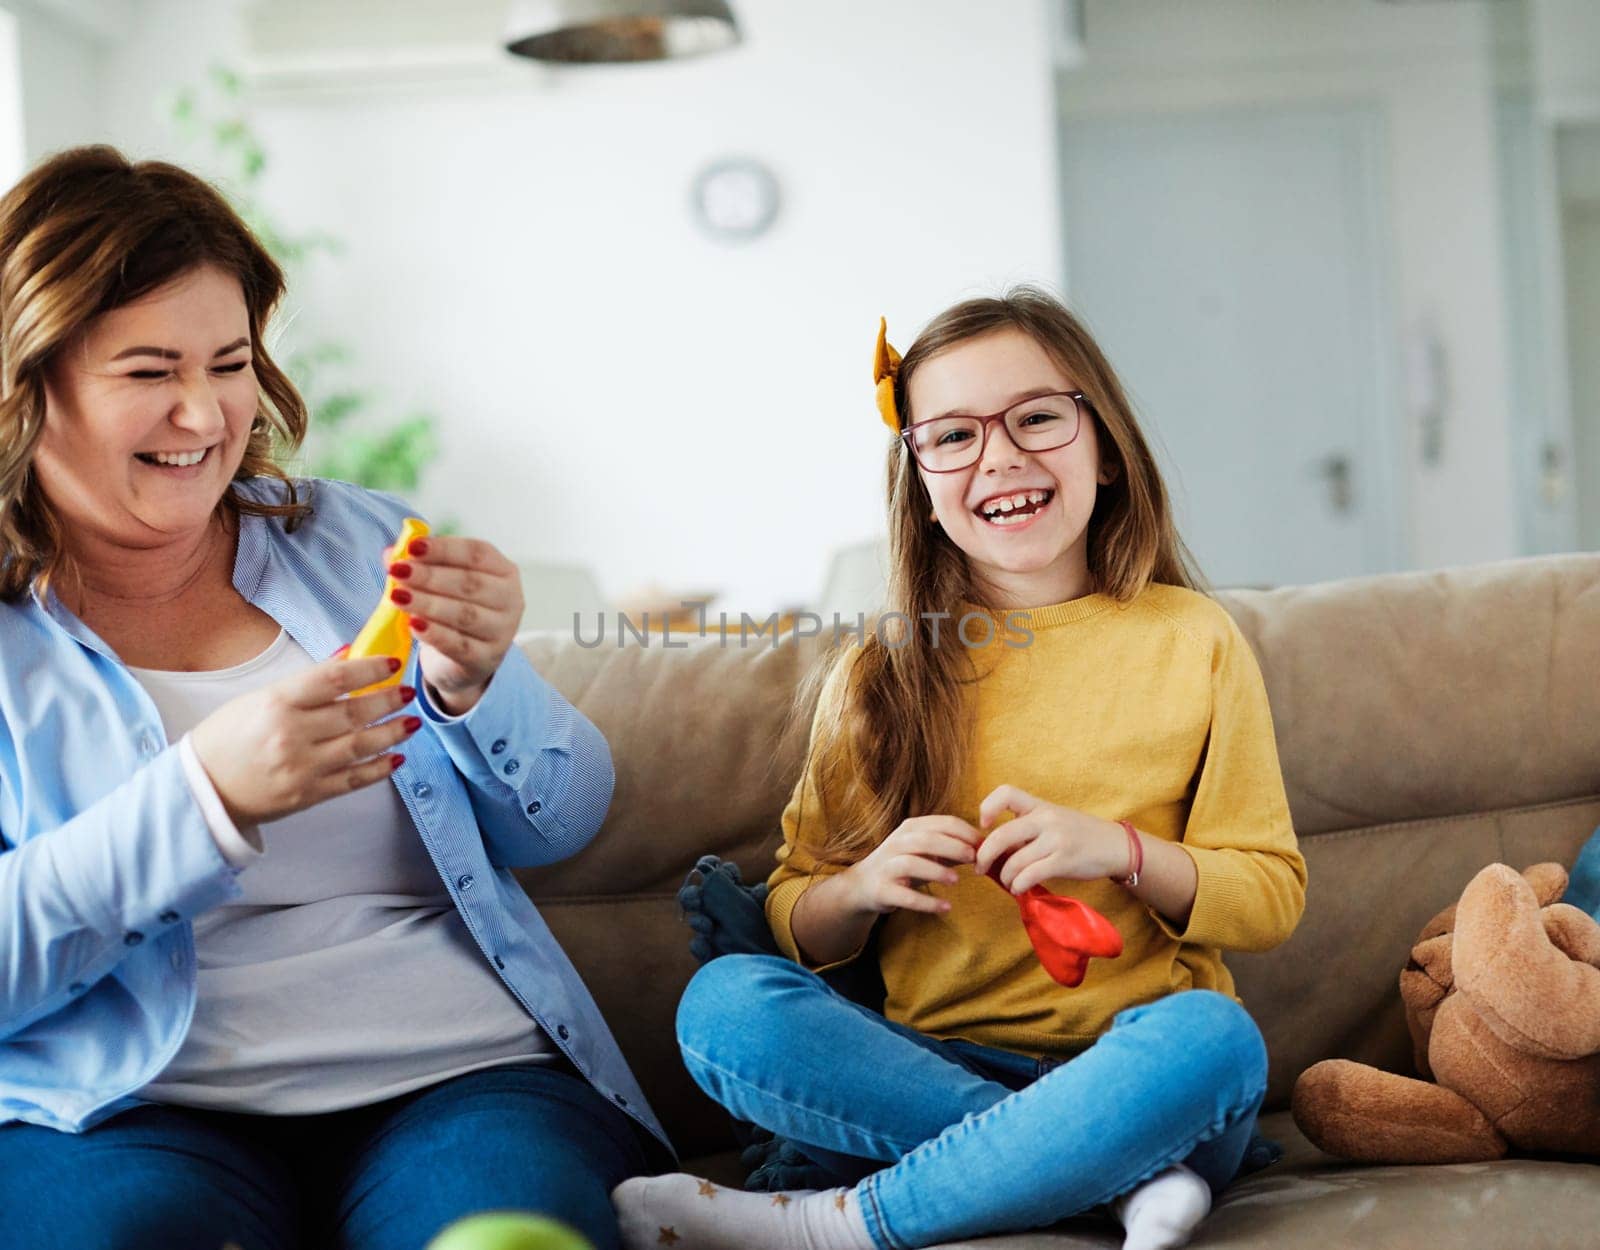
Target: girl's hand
(290, 745)
(1046, 842)
(465, 603)
(921, 849)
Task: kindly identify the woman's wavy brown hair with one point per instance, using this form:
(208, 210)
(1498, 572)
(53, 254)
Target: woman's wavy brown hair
(894, 743)
(88, 231)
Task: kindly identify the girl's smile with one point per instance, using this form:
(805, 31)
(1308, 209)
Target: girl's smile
(1016, 509)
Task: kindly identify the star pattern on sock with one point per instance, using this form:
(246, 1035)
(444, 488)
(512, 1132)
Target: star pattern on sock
(677, 1212)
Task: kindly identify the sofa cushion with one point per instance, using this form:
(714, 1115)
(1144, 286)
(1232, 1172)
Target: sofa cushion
(1420, 695)
(703, 749)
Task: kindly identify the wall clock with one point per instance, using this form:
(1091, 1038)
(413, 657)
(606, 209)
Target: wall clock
(735, 199)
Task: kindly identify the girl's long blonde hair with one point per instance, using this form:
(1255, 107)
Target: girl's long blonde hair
(894, 743)
(85, 232)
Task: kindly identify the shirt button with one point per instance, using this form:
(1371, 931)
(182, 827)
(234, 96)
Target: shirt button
(498, 962)
(422, 789)
(132, 938)
(561, 1032)
(499, 746)
(147, 744)
(621, 1101)
(535, 807)
(169, 917)
(511, 768)
(464, 882)
(77, 987)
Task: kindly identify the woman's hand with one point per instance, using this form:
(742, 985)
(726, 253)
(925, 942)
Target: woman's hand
(922, 849)
(290, 745)
(1045, 842)
(465, 603)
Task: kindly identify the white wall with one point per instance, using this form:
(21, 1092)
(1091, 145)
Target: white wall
(62, 65)
(618, 389)
(1431, 69)
(13, 144)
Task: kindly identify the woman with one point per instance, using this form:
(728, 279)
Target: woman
(265, 975)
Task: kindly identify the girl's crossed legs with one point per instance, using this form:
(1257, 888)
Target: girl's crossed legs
(975, 1146)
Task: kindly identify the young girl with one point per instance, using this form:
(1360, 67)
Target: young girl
(1112, 741)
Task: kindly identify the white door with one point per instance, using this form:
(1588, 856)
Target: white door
(1231, 264)
(1542, 436)
(1581, 229)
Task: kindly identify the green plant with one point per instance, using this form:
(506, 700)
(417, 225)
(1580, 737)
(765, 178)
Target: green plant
(344, 441)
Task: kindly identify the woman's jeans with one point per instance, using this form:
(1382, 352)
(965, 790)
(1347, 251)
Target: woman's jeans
(384, 1177)
(980, 1140)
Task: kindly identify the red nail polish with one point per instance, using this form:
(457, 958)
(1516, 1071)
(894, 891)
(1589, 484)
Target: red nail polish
(402, 597)
(395, 761)
(418, 624)
(418, 547)
(394, 665)
(407, 693)
(413, 723)
(342, 652)
(400, 569)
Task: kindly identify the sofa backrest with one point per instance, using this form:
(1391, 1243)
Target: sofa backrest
(1428, 724)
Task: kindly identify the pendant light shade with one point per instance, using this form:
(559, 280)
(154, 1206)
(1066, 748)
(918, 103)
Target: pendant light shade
(599, 31)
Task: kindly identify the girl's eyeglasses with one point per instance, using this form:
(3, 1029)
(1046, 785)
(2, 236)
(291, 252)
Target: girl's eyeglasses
(1041, 423)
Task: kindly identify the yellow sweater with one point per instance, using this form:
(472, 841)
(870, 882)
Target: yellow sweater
(1151, 711)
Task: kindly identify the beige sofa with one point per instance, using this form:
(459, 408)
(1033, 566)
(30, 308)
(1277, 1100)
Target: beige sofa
(1428, 724)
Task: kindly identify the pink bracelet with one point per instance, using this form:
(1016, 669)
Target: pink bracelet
(1135, 856)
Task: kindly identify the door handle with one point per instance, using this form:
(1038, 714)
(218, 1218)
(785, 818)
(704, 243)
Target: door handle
(1553, 480)
(1338, 475)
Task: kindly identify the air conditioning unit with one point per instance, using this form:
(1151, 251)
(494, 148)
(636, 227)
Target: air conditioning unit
(103, 21)
(297, 46)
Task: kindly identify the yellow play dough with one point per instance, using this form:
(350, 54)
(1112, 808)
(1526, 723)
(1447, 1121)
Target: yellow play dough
(388, 629)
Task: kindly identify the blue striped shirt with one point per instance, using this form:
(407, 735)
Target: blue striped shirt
(105, 855)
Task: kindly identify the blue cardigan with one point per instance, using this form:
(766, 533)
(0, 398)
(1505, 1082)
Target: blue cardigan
(105, 857)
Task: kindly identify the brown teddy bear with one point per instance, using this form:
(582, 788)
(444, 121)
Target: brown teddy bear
(1502, 997)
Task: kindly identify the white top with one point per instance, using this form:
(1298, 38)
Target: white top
(344, 974)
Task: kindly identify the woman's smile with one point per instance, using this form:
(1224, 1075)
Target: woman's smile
(182, 465)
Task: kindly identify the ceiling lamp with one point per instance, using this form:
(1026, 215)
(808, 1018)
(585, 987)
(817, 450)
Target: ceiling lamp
(611, 31)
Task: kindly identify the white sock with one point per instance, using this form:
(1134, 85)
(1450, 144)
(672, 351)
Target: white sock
(693, 1214)
(1161, 1213)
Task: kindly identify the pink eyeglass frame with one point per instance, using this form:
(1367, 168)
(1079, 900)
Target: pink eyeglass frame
(1079, 400)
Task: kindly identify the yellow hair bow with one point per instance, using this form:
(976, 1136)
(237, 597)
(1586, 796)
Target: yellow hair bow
(885, 369)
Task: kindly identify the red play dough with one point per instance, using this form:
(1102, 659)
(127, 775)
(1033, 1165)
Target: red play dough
(1065, 933)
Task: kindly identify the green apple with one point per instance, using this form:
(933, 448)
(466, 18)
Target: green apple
(507, 1230)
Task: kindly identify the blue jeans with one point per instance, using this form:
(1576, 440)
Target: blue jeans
(977, 1140)
(383, 1177)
